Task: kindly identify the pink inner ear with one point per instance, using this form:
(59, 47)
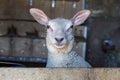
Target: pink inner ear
(39, 16)
(80, 17)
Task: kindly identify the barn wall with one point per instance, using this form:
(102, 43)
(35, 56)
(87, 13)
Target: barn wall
(19, 9)
(28, 37)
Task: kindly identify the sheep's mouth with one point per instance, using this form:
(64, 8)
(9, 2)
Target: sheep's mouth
(58, 45)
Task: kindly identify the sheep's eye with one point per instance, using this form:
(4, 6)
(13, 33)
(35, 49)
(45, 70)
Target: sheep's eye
(70, 28)
(48, 27)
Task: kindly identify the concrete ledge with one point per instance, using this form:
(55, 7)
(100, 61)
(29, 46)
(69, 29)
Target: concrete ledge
(58, 74)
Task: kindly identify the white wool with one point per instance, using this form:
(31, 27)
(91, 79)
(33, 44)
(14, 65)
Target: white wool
(67, 60)
(63, 57)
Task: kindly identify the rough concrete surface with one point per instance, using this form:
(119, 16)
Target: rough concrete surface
(58, 74)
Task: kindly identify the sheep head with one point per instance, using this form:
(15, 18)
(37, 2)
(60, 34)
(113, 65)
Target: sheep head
(60, 35)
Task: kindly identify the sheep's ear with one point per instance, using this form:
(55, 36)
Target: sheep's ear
(80, 17)
(39, 16)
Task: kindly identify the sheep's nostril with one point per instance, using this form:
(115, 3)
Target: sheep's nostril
(59, 39)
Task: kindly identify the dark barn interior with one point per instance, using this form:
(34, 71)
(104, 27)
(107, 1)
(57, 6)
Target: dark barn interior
(104, 29)
(22, 39)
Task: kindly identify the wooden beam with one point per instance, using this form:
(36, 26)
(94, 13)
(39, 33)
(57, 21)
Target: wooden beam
(59, 74)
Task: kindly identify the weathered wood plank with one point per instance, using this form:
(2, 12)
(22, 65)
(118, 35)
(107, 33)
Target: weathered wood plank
(59, 8)
(68, 11)
(77, 6)
(44, 5)
(20, 9)
(4, 11)
(31, 27)
(66, 8)
(14, 9)
(104, 8)
(4, 46)
(104, 74)
(22, 47)
(58, 74)
(39, 48)
(4, 27)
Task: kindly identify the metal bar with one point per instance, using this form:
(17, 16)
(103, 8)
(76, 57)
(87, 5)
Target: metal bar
(74, 4)
(22, 59)
(83, 4)
(53, 4)
(84, 44)
(31, 1)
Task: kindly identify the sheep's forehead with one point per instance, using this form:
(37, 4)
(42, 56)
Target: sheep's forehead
(60, 23)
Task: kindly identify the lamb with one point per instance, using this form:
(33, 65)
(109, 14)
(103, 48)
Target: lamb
(60, 39)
